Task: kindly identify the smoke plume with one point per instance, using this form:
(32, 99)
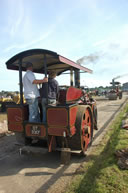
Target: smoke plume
(92, 58)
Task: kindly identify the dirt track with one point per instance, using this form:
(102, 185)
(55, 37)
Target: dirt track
(44, 173)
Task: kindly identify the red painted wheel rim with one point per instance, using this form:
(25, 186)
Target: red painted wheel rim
(86, 131)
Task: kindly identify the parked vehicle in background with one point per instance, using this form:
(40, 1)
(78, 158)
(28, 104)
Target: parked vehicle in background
(116, 91)
(12, 99)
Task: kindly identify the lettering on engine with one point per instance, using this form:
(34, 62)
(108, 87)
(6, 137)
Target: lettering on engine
(35, 130)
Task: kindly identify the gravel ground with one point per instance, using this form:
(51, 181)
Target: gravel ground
(44, 173)
(3, 127)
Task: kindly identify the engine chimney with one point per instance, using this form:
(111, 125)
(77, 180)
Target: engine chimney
(77, 78)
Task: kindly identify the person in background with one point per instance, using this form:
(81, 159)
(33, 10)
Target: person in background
(31, 92)
(53, 89)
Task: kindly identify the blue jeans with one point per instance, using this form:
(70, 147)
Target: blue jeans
(34, 115)
(44, 103)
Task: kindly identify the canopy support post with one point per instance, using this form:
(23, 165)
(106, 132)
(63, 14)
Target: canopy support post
(45, 72)
(20, 80)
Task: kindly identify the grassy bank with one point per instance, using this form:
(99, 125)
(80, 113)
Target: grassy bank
(100, 173)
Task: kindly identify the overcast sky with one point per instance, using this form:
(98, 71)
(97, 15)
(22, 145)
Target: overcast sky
(95, 31)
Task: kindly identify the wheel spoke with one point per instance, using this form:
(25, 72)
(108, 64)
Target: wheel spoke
(86, 132)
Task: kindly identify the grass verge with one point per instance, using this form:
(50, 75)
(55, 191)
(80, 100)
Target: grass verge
(100, 173)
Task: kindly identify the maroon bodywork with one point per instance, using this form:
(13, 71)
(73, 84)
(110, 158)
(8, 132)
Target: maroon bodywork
(73, 117)
(16, 116)
(57, 117)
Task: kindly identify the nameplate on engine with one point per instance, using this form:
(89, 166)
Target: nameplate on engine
(35, 130)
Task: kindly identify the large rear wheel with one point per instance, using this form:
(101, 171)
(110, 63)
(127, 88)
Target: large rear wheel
(84, 129)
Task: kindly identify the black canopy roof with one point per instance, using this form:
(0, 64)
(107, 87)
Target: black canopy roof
(37, 56)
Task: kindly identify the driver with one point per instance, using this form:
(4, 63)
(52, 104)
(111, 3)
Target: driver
(31, 92)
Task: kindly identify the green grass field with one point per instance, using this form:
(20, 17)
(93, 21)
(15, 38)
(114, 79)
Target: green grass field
(100, 173)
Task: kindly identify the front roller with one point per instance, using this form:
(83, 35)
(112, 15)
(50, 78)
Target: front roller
(84, 129)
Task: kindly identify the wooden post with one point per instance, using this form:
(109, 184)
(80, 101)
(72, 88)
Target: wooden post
(65, 155)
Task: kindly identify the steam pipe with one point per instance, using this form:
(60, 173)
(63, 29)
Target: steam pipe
(71, 77)
(77, 78)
